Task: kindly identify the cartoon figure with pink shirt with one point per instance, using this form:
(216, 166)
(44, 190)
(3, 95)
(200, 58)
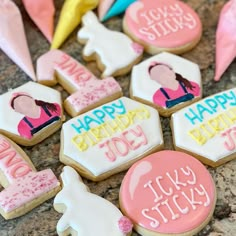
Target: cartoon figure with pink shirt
(174, 88)
(38, 114)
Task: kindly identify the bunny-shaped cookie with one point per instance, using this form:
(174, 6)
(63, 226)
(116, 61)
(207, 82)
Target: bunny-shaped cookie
(84, 213)
(115, 52)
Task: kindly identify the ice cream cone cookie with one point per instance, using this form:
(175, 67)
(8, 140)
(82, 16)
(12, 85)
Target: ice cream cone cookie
(110, 138)
(103, 7)
(25, 188)
(206, 129)
(30, 113)
(85, 213)
(225, 38)
(87, 92)
(42, 13)
(168, 193)
(163, 25)
(12, 37)
(166, 82)
(70, 17)
(114, 52)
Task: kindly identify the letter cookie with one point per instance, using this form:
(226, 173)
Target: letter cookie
(207, 129)
(110, 138)
(166, 82)
(30, 113)
(163, 25)
(24, 187)
(85, 213)
(114, 52)
(168, 193)
(87, 91)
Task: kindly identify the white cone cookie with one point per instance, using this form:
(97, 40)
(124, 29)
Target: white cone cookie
(114, 52)
(166, 82)
(168, 193)
(85, 213)
(163, 25)
(110, 138)
(30, 113)
(206, 129)
(24, 187)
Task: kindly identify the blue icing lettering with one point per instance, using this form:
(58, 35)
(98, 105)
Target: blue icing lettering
(233, 97)
(212, 104)
(222, 100)
(192, 117)
(99, 116)
(201, 109)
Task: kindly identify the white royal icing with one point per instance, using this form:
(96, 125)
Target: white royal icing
(145, 119)
(9, 119)
(115, 49)
(207, 128)
(143, 87)
(86, 213)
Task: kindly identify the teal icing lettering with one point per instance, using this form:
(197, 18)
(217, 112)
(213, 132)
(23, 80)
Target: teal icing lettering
(100, 115)
(232, 97)
(81, 126)
(120, 106)
(201, 110)
(88, 120)
(212, 104)
(222, 100)
(109, 110)
(193, 117)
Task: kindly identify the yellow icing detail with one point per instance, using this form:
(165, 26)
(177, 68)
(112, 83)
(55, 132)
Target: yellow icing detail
(109, 128)
(70, 17)
(213, 126)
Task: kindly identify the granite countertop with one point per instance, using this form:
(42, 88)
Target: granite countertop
(43, 219)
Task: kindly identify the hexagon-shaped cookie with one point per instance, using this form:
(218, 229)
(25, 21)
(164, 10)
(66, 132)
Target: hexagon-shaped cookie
(166, 82)
(30, 113)
(110, 138)
(207, 129)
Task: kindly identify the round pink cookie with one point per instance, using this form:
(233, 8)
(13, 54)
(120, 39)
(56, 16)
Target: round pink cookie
(163, 25)
(167, 193)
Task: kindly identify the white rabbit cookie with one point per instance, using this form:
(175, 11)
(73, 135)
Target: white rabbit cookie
(85, 213)
(114, 52)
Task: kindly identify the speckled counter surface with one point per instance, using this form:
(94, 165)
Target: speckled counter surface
(42, 220)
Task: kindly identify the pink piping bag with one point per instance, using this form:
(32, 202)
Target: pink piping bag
(225, 38)
(12, 37)
(42, 13)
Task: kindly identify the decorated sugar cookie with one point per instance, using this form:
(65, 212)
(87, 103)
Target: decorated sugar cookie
(114, 52)
(70, 18)
(108, 139)
(12, 37)
(168, 193)
(207, 128)
(30, 113)
(85, 213)
(86, 90)
(163, 25)
(167, 82)
(42, 13)
(24, 187)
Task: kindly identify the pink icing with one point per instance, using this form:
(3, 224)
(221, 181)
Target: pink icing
(11, 28)
(175, 196)
(125, 225)
(11, 163)
(163, 23)
(225, 38)
(103, 7)
(42, 13)
(27, 188)
(86, 89)
(229, 137)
